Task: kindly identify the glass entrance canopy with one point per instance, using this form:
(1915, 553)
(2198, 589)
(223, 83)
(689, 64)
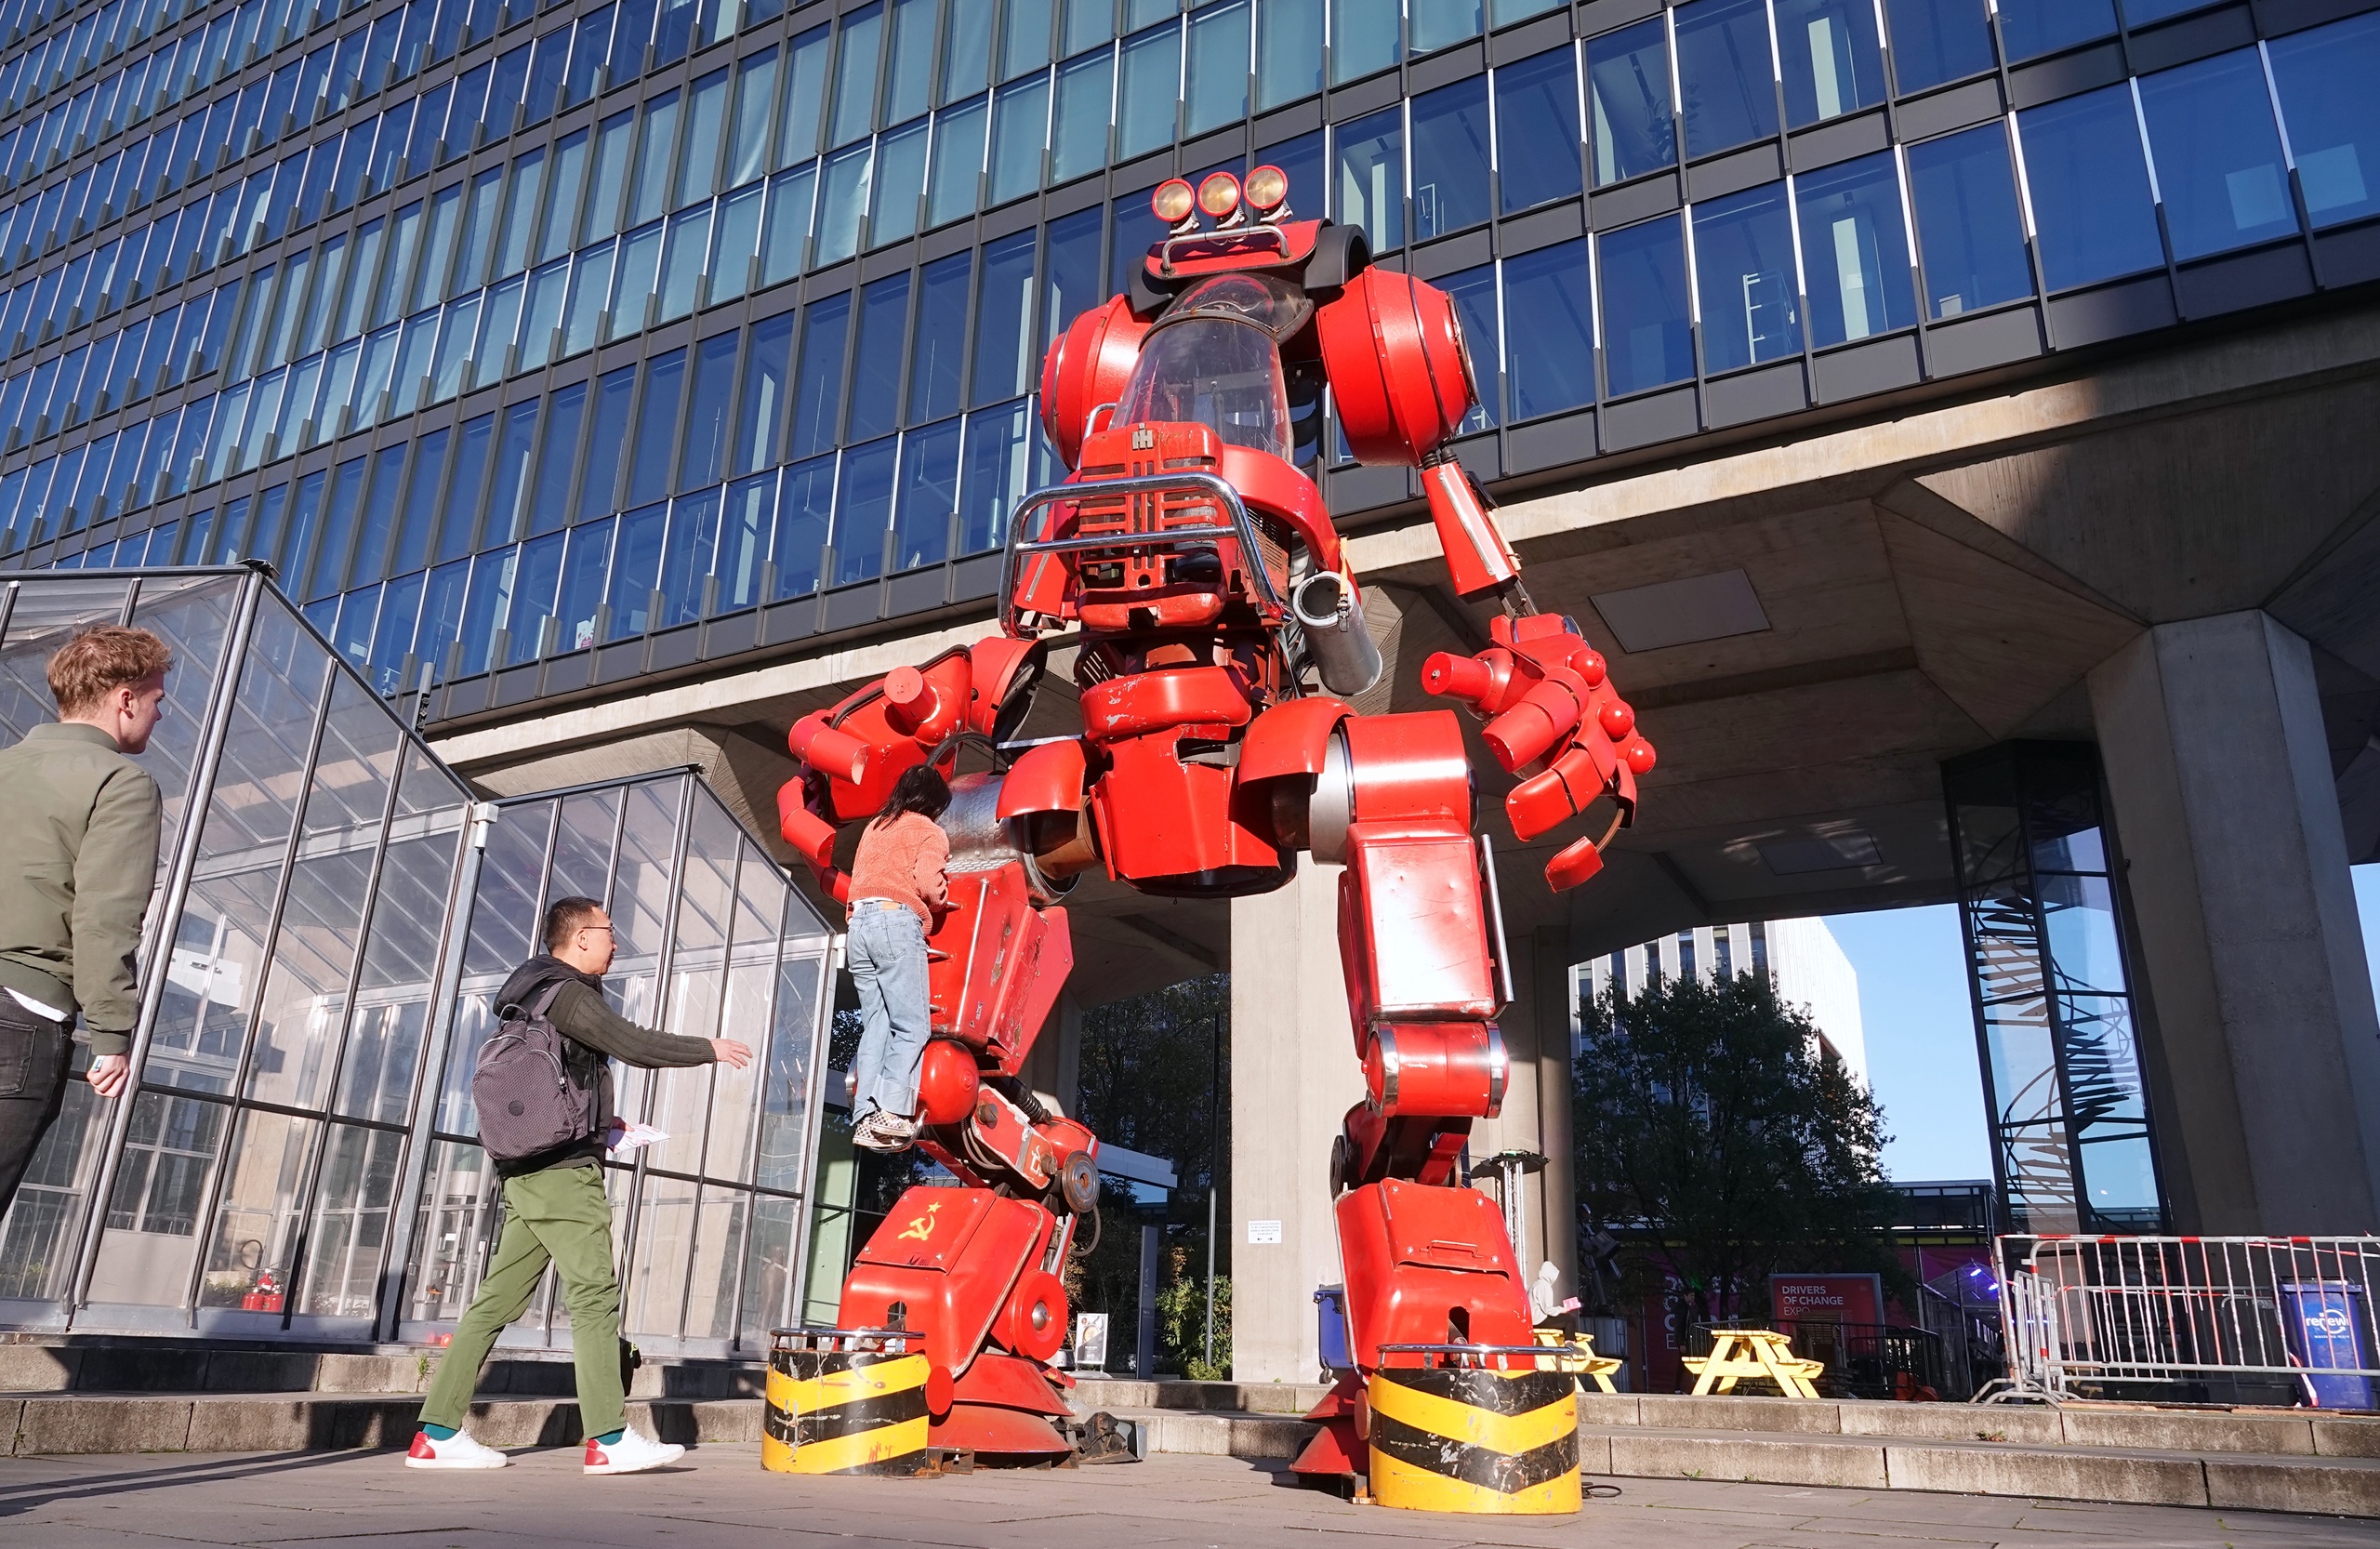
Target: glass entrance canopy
(334, 913)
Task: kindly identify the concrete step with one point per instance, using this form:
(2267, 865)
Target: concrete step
(2282, 1432)
(164, 1365)
(293, 1423)
(2334, 1485)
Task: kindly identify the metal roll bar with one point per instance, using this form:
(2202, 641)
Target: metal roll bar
(1242, 529)
(1532, 1352)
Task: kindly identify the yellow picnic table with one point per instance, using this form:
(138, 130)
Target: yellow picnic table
(1740, 1352)
(1578, 1357)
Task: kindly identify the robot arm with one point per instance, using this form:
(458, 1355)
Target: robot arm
(850, 754)
(1401, 378)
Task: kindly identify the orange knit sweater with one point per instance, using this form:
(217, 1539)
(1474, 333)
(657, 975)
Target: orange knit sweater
(905, 861)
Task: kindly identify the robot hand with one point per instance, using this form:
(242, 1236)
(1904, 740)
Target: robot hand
(1552, 715)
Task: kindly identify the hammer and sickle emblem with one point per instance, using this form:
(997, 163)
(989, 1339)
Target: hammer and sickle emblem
(920, 1228)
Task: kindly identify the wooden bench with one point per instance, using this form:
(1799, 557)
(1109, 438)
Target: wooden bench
(1740, 1352)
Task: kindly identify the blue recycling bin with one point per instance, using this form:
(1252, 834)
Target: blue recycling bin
(2324, 1323)
(1330, 1327)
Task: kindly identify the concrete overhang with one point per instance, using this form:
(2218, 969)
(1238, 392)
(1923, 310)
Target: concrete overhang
(1928, 581)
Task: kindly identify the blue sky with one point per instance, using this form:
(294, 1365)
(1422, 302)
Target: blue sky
(1921, 1031)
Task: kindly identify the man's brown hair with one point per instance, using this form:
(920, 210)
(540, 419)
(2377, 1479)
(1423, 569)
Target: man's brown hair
(100, 660)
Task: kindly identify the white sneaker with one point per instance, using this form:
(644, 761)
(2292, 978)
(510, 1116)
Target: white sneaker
(632, 1454)
(457, 1452)
(883, 1131)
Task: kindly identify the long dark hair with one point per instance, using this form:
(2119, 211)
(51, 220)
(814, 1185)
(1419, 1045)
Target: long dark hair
(920, 789)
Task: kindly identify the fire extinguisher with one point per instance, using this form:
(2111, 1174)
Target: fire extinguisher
(266, 1297)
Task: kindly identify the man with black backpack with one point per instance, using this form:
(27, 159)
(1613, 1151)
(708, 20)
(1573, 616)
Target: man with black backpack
(544, 1089)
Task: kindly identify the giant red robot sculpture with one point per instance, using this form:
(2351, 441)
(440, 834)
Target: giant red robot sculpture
(1219, 635)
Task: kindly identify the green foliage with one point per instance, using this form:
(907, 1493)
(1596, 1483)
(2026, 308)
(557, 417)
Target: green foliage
(1181, 1325)
(1147, 1072)
(1715, 1131)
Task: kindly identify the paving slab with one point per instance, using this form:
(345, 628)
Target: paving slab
(719, 1496)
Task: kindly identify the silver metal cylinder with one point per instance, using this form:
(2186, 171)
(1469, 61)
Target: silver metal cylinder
(1337, 638)
(980, 841)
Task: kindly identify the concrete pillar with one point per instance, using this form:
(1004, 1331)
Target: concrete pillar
(1053, 1071)
(1536, 1115)
(1294, 1076)
(2264, 1046)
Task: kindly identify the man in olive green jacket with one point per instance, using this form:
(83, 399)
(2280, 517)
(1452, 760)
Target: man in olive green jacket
(78, 855)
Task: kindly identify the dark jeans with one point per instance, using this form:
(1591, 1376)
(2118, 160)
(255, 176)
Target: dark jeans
(34, 1056)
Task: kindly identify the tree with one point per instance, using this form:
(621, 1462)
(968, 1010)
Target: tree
(1715, 1130)
(1147, 1085)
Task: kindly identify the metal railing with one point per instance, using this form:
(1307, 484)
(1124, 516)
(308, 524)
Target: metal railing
(1240, 530)
(2205, 1319)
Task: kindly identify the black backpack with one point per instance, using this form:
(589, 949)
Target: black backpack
(528, 1099)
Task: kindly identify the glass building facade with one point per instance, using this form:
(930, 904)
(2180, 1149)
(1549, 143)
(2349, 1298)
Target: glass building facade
(2072, 1142)
(543, 347)
(295, 1155)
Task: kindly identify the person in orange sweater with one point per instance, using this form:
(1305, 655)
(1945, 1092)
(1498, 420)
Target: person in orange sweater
(898, 880)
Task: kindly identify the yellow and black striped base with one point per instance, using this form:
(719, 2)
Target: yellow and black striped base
(844, 1412)
(1467, 1440)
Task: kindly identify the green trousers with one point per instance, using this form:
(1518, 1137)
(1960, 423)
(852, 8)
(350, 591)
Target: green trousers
(560, 1214)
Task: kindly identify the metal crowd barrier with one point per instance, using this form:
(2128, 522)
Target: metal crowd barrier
(2193, 1319)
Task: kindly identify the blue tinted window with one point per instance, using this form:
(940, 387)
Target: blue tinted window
(533, 580)
(636, 570)
(1301, 161)
(864, 510)
(743, 541)
(582, 585)
(2219, 166)
(817, 384)
(1970, 234)
(612, 391)
(1938, 40)
(1855, 250)
(1743, 262)
(379, 515)
(1370, 193)
(1537, 123)
(1137, 229)
(1071, 284)
(1450, 158)
(442, 614)
(656, 428)
(942, 337)
(1288, 51)
(998, 444)
(1004, 357)
(1474, 294)
(2033, 27)
(686, 558)
(805, 502)
(551, 502)
(422, 502)
(2325, 77)
(2136, 12)
(1648, 340)
(876, 360)
(392, 640)
(929, 496)
(1436, 24)
(759, 414)
(2092, 209)
(704, 460)
(1726, 81)
(1550, 363)
(1633, 131)
(1363, 35)
(1831, 61)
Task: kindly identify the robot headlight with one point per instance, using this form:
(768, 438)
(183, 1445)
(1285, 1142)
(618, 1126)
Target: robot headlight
(1219, 194)
(1268, 188)
(1172, 202)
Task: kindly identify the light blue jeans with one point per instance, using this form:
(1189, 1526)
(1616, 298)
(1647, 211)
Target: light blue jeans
(886, 951)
